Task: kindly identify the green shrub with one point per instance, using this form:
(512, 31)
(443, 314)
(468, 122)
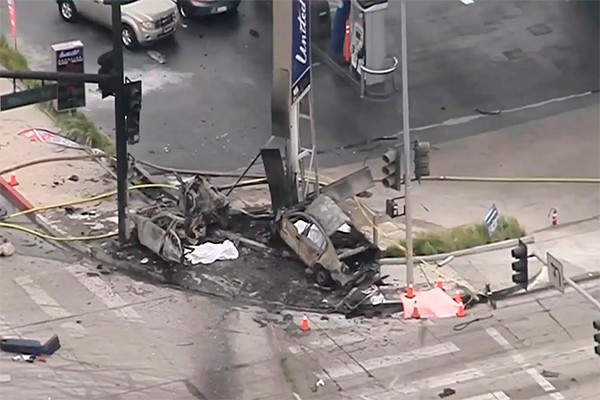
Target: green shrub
(75, 125)
(459, 238)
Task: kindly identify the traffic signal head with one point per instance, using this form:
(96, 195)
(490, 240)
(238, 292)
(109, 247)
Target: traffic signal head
(106, 63)
(597, 336)
(421, 154)
(520, 266)
(392, 171)
(133, 102)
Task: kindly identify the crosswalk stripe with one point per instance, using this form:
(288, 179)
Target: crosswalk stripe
(6, 328)
(499, 395)
(388, 361)
(99, 288)
(49, 305)
(330, 342)
(39, 296)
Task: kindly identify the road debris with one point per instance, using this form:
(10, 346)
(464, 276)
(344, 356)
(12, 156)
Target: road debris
(549, 374)
(447, 392)
(30, 347)
(5, 378)
(156, 56)
(318, 384)
(7, 249)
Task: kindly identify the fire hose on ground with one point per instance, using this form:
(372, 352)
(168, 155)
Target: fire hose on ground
(255, 180)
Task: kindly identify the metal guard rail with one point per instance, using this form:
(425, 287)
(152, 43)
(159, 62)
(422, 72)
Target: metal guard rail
(364, 71)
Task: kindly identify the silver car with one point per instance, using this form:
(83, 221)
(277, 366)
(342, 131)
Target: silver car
(143, 21)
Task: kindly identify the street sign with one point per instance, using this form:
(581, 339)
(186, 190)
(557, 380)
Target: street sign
(491, 219)
(555, 273)
(28, 97)
(68, 57)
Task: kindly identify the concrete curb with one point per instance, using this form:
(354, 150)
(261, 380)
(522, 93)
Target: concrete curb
(461, 253)
(22, 204)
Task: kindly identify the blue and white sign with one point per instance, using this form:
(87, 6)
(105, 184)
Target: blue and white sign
(301, 61)
(491, 219)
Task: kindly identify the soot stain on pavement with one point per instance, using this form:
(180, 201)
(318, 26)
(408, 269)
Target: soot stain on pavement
(273, 279)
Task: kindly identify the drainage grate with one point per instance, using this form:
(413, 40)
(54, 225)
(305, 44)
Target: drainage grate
(539, 29)
(514, 54)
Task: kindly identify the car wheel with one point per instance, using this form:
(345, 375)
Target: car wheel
(182, 10)
(322, 276)
(129, 37)
(67, 11)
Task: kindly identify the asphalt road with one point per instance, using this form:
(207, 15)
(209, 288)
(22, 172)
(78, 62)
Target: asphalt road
(529, 348)
(121, 338)
(124, 339)
(208, 107)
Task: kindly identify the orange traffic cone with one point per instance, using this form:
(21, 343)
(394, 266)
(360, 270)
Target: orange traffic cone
(415, 312)
(410, 292)
(439, 284)
(457, 297)
(13, 180)
(461, 310)
(304, 324)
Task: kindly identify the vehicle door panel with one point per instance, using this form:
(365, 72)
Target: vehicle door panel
(85, 7)
(102, 13)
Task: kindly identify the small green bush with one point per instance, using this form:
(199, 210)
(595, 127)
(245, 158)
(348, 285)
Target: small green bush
(76, 125)
(459, 238)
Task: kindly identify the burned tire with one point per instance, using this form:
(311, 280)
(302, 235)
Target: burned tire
(323, 277)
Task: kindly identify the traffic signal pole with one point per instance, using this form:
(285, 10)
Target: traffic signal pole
(117, 78)
(406, 136)
(120, 134)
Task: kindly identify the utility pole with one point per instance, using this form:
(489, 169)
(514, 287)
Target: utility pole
(406, 137)
(120, 128)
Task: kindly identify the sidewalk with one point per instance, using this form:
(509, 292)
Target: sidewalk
(540, 149)
(54, 182)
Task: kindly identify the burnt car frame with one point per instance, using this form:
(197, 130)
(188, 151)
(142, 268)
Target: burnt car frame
(324, 238)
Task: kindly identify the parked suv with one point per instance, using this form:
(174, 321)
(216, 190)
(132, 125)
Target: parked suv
(193, 8)
(143, 21)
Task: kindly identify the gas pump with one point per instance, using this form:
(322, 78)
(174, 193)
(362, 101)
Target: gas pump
(368, 38)
(357, 47)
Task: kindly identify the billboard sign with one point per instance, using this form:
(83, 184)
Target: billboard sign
(301, 60)
(68, 57)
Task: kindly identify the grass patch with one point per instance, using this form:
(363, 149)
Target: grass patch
(74, 125)
(459, 238)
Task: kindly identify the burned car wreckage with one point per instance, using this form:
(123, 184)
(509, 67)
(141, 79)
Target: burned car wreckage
(326, 241)
(318, 231)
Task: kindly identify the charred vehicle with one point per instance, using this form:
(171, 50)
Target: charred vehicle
(326, 241)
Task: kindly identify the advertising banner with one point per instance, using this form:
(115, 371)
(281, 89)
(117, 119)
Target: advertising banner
(68, 57)
(301, 61)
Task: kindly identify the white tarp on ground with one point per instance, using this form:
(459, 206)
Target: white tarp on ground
(208, 253)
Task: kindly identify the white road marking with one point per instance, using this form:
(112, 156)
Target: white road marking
(499, 395)
(50, 306)
(328, 343)
(348, 369)
(99, 288)
(519, 359)
(6, 328)
(450, 379)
